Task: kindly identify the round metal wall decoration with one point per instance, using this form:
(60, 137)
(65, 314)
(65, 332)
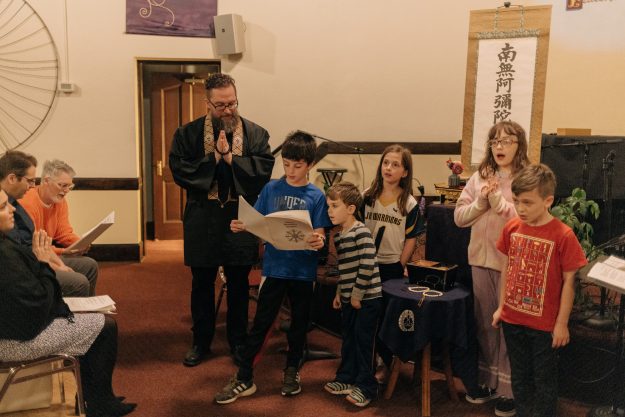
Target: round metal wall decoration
(29, 71)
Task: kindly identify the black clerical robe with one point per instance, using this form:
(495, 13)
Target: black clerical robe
(208, 241)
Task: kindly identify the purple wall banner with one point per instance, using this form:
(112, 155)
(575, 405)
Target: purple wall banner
(192, 18)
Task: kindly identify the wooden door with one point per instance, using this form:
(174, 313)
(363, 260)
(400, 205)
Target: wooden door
(173, 103)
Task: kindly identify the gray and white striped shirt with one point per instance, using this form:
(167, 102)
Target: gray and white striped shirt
(358, 266)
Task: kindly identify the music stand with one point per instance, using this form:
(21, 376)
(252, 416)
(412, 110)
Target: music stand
(331, 176)
(617, 408)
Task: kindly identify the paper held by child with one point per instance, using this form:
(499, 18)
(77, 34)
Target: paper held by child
(97, 304)
(285, 230)
(83, 243)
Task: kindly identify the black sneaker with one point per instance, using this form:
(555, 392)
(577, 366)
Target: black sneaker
(290, 383)
(481, 395)
(235, 389)
(505, 407)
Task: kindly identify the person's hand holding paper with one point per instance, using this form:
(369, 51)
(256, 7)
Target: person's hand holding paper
(285, 230)
(81, 246)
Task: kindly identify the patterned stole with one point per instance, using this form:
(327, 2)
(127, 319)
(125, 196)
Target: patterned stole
(209, 148)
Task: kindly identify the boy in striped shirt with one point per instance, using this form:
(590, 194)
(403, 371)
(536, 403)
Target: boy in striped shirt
(358, 295)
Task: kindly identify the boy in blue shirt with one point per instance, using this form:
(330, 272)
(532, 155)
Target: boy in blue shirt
(288, 272)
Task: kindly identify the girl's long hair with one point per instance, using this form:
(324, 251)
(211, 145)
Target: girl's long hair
(489, 166)
(405, 183)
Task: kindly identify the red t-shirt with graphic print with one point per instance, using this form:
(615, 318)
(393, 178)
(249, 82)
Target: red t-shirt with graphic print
(537, 257)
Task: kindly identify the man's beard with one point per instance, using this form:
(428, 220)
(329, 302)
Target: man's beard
(226, 124)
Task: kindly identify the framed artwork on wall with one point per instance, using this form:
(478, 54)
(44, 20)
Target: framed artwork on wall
(506, 73)
(192, 18)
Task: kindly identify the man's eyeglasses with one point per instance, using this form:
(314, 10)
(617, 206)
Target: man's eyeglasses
(65, 187)
(31, 181)
(503, 141)
(224, 106)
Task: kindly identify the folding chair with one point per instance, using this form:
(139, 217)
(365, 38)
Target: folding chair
(65, 362)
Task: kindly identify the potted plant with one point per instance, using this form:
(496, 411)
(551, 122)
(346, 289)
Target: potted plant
(573, 211)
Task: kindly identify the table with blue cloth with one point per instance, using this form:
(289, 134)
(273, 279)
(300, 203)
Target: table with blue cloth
(409, 328)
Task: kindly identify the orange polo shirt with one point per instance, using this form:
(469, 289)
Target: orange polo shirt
(54, 219)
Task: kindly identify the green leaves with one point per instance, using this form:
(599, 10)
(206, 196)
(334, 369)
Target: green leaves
(573, 211)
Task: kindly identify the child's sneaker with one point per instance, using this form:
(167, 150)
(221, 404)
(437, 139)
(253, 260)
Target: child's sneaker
(358, 398)
(338, 388)
(290, 383)
(505, 407)
(481, 395)
(234, 390)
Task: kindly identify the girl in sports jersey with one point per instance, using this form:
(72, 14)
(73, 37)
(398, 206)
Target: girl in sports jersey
(392, 213)
(486, 205)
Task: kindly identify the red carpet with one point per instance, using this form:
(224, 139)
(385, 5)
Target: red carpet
(154, 322)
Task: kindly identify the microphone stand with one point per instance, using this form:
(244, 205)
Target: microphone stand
(585, 167)
(356, 149)
(322, 151)
(607, 168)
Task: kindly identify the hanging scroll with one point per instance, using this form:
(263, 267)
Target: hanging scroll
(506, 72)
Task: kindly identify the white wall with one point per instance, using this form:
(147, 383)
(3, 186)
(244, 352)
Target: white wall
(348, 70)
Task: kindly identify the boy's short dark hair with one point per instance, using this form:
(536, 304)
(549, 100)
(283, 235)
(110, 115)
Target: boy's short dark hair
(535, 176)
(346, 192)
(16, 162)
(219, 80)
(299, 146)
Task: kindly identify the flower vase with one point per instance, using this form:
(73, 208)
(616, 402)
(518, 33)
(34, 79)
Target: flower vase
(453, 181)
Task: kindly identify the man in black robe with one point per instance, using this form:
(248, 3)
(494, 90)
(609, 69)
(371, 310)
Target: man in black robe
(218, 158)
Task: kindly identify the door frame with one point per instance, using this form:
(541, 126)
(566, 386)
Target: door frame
(144, 67)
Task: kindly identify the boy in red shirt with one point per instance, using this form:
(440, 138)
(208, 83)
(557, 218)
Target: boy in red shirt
(538, 286)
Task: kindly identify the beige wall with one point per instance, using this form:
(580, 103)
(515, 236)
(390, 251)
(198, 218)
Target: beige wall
(100, 203)
(348, 70)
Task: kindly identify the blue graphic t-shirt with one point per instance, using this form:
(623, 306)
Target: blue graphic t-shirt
(278, 195)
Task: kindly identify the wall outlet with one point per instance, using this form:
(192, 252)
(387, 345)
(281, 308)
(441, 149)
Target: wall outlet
(67, 87)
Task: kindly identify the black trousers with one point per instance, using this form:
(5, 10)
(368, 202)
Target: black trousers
(359, 328)
(96, 368)
(534, 366)
(270, 299)
(203, 305)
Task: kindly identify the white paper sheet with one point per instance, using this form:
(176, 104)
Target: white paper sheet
(100, 303)
(608, 276)
(285, 230)
(91, 235)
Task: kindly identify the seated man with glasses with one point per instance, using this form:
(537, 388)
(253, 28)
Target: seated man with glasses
(47, 207)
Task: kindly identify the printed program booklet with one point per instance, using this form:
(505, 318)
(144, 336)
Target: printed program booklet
(88, 238)
(285, 230)
(97, 304)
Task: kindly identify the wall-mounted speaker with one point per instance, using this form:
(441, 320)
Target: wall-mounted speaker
(229, 34)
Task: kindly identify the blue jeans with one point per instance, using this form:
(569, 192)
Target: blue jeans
(534, 365)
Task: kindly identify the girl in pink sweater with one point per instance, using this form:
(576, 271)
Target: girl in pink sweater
(486, 205)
